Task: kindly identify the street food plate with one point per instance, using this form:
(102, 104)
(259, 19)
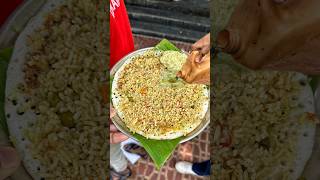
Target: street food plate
(121, 125)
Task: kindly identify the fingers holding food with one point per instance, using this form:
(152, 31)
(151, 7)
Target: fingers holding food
(202, 45)
(187, 68)
(196, 72)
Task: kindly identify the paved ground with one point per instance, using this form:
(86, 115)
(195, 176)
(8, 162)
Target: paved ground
(196, 150)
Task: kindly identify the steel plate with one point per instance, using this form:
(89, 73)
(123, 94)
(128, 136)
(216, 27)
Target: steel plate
(123, 128)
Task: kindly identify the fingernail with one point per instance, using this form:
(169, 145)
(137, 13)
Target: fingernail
(8, 157)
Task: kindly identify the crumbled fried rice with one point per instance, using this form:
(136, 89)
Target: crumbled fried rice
(63, 76)
(153, 109)
(254, 132)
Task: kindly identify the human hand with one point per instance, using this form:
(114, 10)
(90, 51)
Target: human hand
(115, 135)
(203, 46)
(196, 72)
(272, 35)
(197, 67)
(9, 161)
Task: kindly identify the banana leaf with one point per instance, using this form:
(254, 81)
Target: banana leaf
(158, 150)
(5, 55)
(166, 45)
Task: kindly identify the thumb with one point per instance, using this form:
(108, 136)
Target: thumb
(9, 161)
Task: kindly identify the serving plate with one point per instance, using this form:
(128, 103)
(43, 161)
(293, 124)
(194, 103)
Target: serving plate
(17, 21)
(121, 125)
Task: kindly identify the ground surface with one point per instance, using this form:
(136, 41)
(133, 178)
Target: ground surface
(196, 150)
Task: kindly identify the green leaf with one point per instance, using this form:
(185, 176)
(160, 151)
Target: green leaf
(159, 150)
(5, 55)
(166, 45)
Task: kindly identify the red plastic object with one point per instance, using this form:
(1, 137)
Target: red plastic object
(121, 40)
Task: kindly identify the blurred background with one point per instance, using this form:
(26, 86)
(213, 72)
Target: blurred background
(184, 21)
